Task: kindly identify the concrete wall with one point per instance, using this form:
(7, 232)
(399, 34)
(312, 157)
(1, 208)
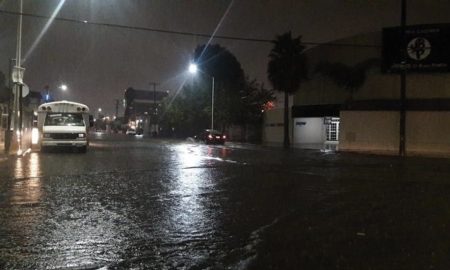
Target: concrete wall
(273, 130)
(427, 133)
(273, 126)
(309, 130)
(369, 131)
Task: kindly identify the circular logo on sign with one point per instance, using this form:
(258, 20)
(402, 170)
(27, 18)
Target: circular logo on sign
(419, 48)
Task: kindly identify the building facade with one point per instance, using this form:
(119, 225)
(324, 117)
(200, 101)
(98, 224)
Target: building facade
(142, 109)
(352, 99)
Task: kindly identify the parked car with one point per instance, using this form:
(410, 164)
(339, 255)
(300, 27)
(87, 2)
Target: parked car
(131, 131)
(211, 136)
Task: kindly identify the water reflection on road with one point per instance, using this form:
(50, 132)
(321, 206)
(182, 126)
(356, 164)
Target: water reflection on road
(152, 204)
(189, 224)
(27, 187)
(58, 211)
(126, 206)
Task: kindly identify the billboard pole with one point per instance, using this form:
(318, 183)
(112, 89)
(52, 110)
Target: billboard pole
(402, 146)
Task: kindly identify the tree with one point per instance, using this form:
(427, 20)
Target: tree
(254, 99)
(286, 70)
(216, 61)
(351, 78)
(238, 100)
(173, 116)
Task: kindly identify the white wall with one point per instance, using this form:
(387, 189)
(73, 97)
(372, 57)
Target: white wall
(309, 130)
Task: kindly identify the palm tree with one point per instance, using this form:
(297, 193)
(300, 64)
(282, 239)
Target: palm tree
(286, 70)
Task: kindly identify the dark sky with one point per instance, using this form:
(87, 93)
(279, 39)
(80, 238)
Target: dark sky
(98, 63)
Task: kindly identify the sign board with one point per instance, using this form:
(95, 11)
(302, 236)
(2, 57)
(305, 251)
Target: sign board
(17, 74)
(25, 90)
(427, 48)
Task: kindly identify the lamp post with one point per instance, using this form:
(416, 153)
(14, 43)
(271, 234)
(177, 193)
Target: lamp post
(193, 70)
(17, 78)
(402, 146)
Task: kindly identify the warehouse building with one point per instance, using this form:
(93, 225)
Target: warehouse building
(352, 101)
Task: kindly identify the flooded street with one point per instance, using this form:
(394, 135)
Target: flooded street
(134, 203)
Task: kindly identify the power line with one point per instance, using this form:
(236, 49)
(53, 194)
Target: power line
(173, 32)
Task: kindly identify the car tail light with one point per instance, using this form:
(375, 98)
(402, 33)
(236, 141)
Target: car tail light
(210, 136)
(224, 137)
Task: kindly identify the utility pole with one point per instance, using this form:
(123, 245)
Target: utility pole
(154, 84)
(155, 109)
(11, 98)
(17, 77)
(117, 108)
(402, 146)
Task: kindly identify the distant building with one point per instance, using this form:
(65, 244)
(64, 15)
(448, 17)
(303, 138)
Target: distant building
(142, 109)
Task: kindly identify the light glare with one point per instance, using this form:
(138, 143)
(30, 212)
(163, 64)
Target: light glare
(34, 136)
(192, 68)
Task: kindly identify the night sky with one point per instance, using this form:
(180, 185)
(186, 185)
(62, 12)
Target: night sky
(98, 62)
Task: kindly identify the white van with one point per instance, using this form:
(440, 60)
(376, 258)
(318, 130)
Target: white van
(64, 123)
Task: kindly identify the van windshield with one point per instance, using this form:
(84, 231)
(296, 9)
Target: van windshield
(64, 119)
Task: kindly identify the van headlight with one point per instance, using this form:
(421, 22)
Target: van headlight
(81, 135)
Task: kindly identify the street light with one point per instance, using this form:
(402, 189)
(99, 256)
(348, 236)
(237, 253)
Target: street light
(48, 97)
(193, 70)
(99, 112)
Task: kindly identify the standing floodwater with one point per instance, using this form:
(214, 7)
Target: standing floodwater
(154, 204)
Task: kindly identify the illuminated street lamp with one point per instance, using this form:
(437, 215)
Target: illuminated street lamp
(193, 70)
(63, 87)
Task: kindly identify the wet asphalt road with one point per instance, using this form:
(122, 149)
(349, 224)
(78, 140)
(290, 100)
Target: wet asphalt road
(134, 203)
